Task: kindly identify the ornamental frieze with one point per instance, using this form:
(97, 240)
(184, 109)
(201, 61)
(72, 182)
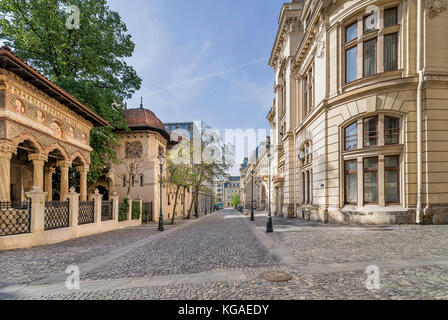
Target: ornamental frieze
(47, 121)
(29, 94)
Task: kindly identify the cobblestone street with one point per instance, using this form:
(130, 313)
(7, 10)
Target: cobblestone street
(221, 256)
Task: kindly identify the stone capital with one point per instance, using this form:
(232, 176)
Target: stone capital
(7, 150)
(83, 169)
(38, 157)
(64, 164)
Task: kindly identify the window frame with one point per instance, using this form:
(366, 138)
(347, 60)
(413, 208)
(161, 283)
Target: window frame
(347, 173)
(364, 171)
(377, 136)
(364, 65)
(380, 32)
(354, 47)
(398, 171)
(396, 16)
(396, 34)
(355, 135)
(397, 134)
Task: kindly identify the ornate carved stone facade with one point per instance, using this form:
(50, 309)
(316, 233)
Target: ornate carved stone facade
(39, 132)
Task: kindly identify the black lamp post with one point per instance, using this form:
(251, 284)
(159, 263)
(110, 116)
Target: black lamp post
(161, 162)
(252, 218)
(269, 228)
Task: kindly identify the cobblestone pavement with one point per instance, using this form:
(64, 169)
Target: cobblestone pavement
(221, 256)
(28, 265)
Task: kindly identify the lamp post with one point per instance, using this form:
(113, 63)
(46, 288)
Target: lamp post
(269, 228)
(252, 218)
(161, 162)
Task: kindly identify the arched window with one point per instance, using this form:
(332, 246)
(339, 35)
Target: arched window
(372, 171)
(133, 181)
(123, 179)
(142, 184)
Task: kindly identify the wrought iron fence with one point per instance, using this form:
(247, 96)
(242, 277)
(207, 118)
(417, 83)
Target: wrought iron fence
(15, 218)
(56, 215)
(106, 211)
(86, 213)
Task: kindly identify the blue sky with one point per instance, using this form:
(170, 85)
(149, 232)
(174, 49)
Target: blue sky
(203, 60)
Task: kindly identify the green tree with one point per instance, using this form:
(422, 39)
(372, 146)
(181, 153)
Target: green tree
(236, 200)
(88, 62)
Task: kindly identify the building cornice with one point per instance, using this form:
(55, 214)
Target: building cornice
(289, 13)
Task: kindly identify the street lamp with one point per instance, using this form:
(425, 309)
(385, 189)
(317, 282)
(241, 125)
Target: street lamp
(252, 218)
(161, 159)
(269, 228)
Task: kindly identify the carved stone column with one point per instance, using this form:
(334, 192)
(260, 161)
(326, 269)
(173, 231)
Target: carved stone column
(64, 166)
(6, 152)
(38, 170)
(49, 172)
(83, 171)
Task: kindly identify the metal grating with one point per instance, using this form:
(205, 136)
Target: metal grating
(56, 215)
(86, 213)
(15, 218)
(106, 211)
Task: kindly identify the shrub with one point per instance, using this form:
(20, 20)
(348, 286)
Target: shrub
(123, 210)
(135, 210)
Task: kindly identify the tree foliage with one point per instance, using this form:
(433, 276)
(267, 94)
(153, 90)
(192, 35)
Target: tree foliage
(236, 200)
(88, 62)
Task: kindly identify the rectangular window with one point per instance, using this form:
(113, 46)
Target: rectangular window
(308, 187)
(351, 136)
(305, 95)
(350, 64)
(371, 180)
(351, 32)
(141, 181)
(370, 131)
(351, 182)
(304, 187)
(310, 89)
(391, 130)
(369, 57)
(391, 52)
(390, 17)
(391, 179)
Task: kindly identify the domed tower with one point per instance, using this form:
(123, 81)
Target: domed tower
(142, 119)
(138, 174)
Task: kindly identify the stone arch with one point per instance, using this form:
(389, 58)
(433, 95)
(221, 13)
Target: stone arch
(78, 155)
(58, 147)
(30, 137)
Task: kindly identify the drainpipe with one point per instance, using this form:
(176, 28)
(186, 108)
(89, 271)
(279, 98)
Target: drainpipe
(419, 110)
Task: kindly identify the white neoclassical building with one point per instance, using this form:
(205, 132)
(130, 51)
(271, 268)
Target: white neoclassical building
(359, 120)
